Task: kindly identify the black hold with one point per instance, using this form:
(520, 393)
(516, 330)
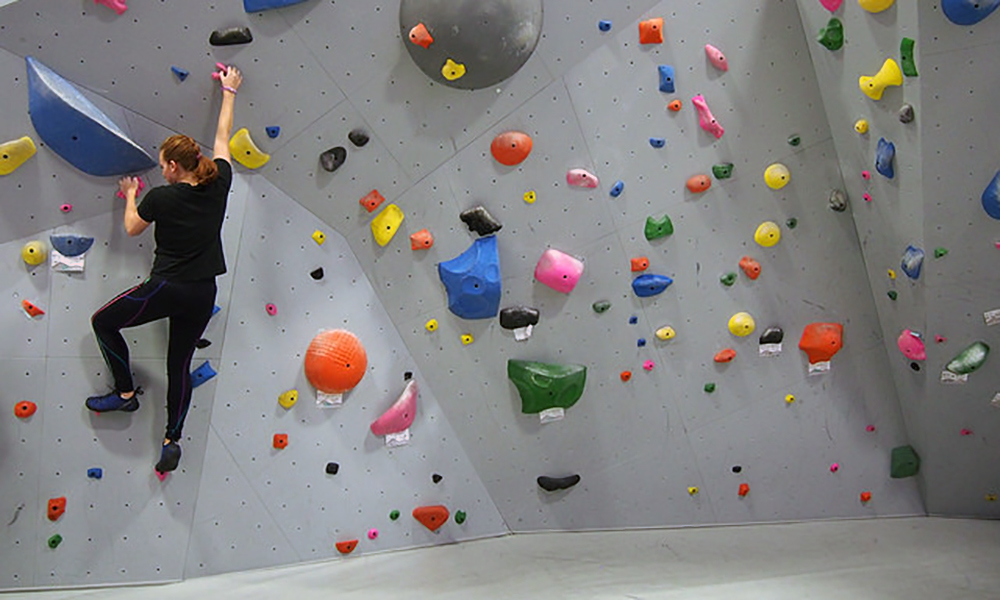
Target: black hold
(478, 219)
(436, 478)
(915, 366)
(332, 468)
(317, 274)
(202, 344)
(407, 375)
(552, 484)
(737, 469)
(333, 158)
(515, 317)
(772, 335)
(231, 36)
(358, 137)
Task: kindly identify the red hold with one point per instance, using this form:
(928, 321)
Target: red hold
(651, 31)
(116, 5)
(744, 490)
(420, 36)
(372, 200)
(750, 267)
(347, 547)
(57, 506)
(31, 309)
(640, 263)
(431, 517)
(280, 441)
(421, 240)
(725, 355)
(511, 148)
(24, 409)
(820, 341)
(699, 183)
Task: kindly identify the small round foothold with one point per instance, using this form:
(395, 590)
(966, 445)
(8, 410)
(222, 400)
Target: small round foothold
(892, 294)
(54, 541)
(372, 534)
(319, 237)
(604, 25)
(666, 333)
(271, 309)
(861, 126)
(870, 429)
(675, 105)
(728, 279)
(394, 515)
(866, 175)
(648, 365)
(657, 142)
(272, 131)
(633, 320)
(940, 252)
(617, 189)
(625, 375)
(431, 325)
(866, 497)
(33, 253)
(24, 409)
(530, 196)
(940, 339)
(837, 201)
(867, 197)
(641, 342)
(789, 398)
(709, 387)
(466, 339)
(317, 273)
(792, 223)
(452, 70)
(693, 490)
(66, 208)
(332, 468)
(906, 114)
(601, 306)
(436, 478)
(744, 489)
(891, 273)
(966, 432)
(460, 516)
(794, 140)
(834, 467)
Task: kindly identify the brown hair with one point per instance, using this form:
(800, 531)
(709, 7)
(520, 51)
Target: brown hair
(185, 152)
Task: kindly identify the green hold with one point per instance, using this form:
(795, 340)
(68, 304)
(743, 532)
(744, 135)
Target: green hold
(792, 223)
(394, 515)
(970, 359)
(728, 279)
(54, 541)
(657, 228)
(940, 252)
(905, 462)
(907, 57)
(601, 306)
(892, 295)
(543, 386)
(794, 140)
(709, 388)
(722, 170)
(460, 517)
(832, 36)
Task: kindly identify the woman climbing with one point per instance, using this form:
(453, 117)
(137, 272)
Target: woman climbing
(188, 213)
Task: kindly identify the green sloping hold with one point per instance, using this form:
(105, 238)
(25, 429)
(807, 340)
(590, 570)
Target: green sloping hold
(905, 462)
(832, 36)
(722, 170)
(543, 386)
(657, 228)
(906, 56)
(970, 359)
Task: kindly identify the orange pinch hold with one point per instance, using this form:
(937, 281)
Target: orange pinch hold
(820, 341)
(280, 441)
(744, 490)
(420, 36)
(31, 309)
(626, 375)
(675, 105)
(725, 355)
(421, 240)
(372, 200)
(431, 517)
(699, 183)
(640, 263)
(651, 31)
(24, 409)
(750, 267)
(346, 547)
(511, 147)
(57, 506)
(866, 496)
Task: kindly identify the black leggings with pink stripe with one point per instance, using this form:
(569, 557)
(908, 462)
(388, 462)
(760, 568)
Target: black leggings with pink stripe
(188, 305)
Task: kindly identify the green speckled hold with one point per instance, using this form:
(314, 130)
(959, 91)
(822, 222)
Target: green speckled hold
(970, 359)
(722, 170)
(832, 36)
(543, 386)
(460, 517)
(709, 388)
(892, 294)
(394, 515)
(601, 306)
(906, 57)
(905, 462)
(792, 223)
(940, 252)
(657, 228)
(54, 541)
(728, 279)
(794, 140)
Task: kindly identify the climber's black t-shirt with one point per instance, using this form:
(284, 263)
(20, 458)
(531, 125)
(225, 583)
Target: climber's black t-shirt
(188, 227)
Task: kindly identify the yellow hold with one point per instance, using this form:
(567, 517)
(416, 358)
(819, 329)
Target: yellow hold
(530, 196)
(889, 74)
(876, 6)
(452, 70)
(288, 399)
(768, 234)
(384, 226)
(319, 237)
(431, 325)
(666, 333)
(466, 339)
(14, 153)
(777, 176)
(741, 324)
(246, 152)
(861, 126)
(34, 253)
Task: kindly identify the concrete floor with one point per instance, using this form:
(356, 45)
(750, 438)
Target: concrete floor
(911, 558)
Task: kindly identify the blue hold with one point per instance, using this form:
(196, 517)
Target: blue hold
(273, 131)
(181, 74)
(71, 245)
(968, 12)
(657, 142)
(216, 309)
(633, 320)
(259, 5)
(645, 286)
(617, 188)
(95, 473)
(666, 79)
(202, 374)
(604, 25)
(77, 130)
(991, 197)
(641, 342)
(472, 280)
(884, 155)
(913, 260)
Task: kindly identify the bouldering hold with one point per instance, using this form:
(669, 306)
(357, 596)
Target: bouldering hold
(332, 159)
(675, 105)
(693, 490)
(31, 309)
(142, 186)
(651, 31)
(511, 148)
(24, 409)
(772, 336)
(641, 342)
(940, 339)
(697, 184)
(865, 497)
(472, 280)
(66, 208)
(466, 339)
(452, 70)
(617, 189)
(346, 547)
(940, 252)
(725, 355)
(358, 137)
(876, 6)
(884, 155)
(95, 473)
(722, 170)
(821, 341)
(837, 201)
(706, 119)
(480, 221)
(625, 375)
(393, 515)
(431, 517)
(968, 12)
(118, 6)
(777, 176)
(728, 279)
(319, 237)
(203, 373)
(861, 126)
(633, 320)
(420, 36)
(554, 484)
(870, 429)
(386, 223)
(460, 517)
(517, 317)
(332, 468)
(15, 153)
(991, 198)
(794, 140)
(893, 294)
(288, 399)
(54, 541)
(970, 359)
(965, 432)
(335, 363)
(558, 270)
(832, 36)
(792, 223)
(888, 75)
(666, 333)
(648, 285)
(911, 344)
(280, 441)
(866, 175)
(421, 240)
(272, 131)
(867, 197)
(639, 263)
(401, 414)
(648, 365)
(372, 534)
(657, 228)
(657, 142)
(912, 262)
(317, 273)
(543, 386)
(789, 398)
(57, 506)
(750, 267)
(431, 325)
(906, 113)
(905, 462)
(230, 36)
(741, 324)
(768, 234)
(716, 57)
(835, 467)
(246, 152)
(709, 388)
(601, 306)
(666, 78)
(270, 309)
(744, 489)
(604, 25)
(202, 344)
(582, 178)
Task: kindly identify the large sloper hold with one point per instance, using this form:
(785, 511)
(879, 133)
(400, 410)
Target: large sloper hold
(554, 484)
(820, 341)
(969, 359)
(431, 517)
(472, 280)
(480, 220)
(968, 12)
(904, 462)
(558, 270)
(259, 5)
(991, 197)
(543, 385)
(71, 245)
(231, 36)
(245, 151)
(650, 284)
(77, 130)
(400, 415)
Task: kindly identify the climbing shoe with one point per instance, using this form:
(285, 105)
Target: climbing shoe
(112, 401)
(170, 455)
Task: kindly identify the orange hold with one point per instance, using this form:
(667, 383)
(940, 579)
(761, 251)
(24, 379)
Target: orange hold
(866, 496)
(675, 105)
(726, 355)
(57, 506)
(820, 341)
(335, 361)
(372, 200)
(421, 240)
(651, 31)
(280, 441)
(511, 148)
(420, 36)
(346, 547)
(626, 375)
(431, 517)
(744, 490)
(640, 263)
(24, 409)
(31, 309)
(750, 267)
(699, 183)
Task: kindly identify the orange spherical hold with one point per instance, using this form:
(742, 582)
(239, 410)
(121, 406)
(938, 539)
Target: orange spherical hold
(511, 148)
(335, 361)
(24, 409)
(699, 183)
(626, 375)
(675, 105)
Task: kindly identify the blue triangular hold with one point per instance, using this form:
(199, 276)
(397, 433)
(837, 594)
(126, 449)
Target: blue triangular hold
(273, 131)
(202, 374)
(180, 73)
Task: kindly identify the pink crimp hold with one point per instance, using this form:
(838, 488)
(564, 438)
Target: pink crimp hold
(705, 117)
(142, 186)
(582, 178)
(116, 5)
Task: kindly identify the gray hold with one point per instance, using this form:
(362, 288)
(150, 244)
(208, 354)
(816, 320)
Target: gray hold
(838, 201)
(906, 114)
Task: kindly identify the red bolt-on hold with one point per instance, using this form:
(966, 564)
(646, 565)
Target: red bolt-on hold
(866, 496)
(744, 490)
(870, 429)
(24, 409)
(57, 506)
(966, 432)
(280, 440)
(651, 31)
(640, 263)
(626, 375)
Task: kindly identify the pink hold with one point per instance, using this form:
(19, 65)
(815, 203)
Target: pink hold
(716, 57)
(831, 5)
(866, 175)
(940, 339)
(582, 178)
(648, 365)
(870, 429)
(867, 197)
(372, 534)
(160, 476)
(705, 117)
(142, 186)
(997, 244)
(834, 467)
(271, 309)
(558, 270)
(400, 415)
(966, 432)
(911, 345)
(66, 208)
(116, 5)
